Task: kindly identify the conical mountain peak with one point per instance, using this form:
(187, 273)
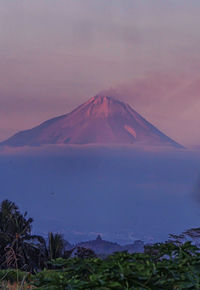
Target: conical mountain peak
(102, 120)
(105, 106)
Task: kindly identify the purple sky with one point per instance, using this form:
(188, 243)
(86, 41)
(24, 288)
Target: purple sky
(56, 54)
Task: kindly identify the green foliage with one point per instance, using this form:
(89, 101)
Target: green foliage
(172, 267)
(162, 266)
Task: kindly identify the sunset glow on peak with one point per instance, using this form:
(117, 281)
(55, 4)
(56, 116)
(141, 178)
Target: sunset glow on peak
(101, 120)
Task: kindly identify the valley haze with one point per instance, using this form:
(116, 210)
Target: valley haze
(124, 193)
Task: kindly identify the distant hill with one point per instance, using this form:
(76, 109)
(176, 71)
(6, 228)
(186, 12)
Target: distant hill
(101, 120)
(102, 247)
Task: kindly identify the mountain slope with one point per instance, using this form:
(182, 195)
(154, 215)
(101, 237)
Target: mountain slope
(102, 120)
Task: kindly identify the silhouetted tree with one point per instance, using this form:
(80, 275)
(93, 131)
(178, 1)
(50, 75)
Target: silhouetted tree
(85, 253)
(56, 245)
(18, 247)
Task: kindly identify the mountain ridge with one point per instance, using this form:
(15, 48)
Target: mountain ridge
(100, 120)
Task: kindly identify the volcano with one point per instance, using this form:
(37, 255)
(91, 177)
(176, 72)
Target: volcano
(101, 120)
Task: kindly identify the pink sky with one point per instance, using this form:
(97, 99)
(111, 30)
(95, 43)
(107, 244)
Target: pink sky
(56, 54)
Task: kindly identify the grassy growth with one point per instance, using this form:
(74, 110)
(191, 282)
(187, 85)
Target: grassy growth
(15, 279)
(15, 286)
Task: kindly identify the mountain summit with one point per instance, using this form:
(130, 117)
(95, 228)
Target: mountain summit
(101, 120)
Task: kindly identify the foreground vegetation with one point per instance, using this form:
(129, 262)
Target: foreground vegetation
(30, 262)
(165, 266)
